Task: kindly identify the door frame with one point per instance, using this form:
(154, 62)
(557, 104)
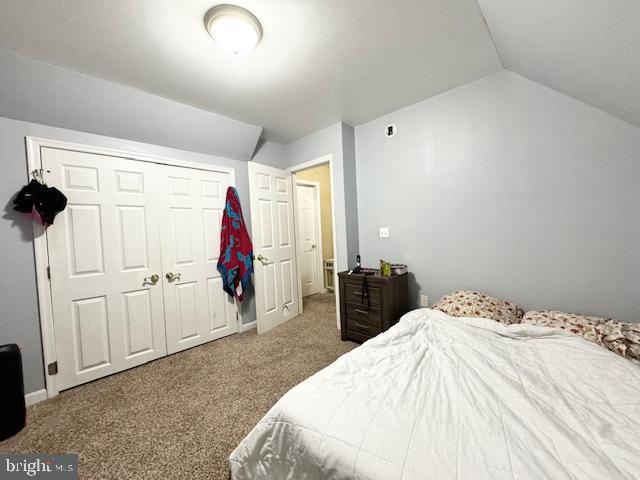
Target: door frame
(324, 159)
(319, 259)
(34, 146)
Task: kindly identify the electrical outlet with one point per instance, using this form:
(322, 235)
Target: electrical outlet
(424, 301)
(384, 232)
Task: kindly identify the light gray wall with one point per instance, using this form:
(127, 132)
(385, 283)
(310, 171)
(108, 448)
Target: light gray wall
(19, 321)
(42, 93)
(271, 153)
(507, 187)
(350, 191)
(336, 140)
(323, 142)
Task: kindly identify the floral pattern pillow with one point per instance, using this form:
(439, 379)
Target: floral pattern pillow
(619, 337)
(465, 303)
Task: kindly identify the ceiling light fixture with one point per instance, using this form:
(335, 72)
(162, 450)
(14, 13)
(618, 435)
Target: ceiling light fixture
(234, 28)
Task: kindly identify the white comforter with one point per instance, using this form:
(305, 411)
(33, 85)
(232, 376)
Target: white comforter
(438, 397)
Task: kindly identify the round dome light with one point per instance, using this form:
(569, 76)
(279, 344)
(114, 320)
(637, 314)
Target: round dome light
(235, 29)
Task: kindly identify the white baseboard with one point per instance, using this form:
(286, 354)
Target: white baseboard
(245, 327)
(35, 397)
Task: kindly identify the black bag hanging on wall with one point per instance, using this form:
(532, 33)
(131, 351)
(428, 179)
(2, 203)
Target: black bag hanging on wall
(13, 412)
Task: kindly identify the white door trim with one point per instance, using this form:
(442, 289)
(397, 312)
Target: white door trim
(319, 259)
(45, 304)
(312, 163)
(303, 166)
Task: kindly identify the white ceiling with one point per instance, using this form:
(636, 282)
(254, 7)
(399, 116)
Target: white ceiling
(587, 49)
(320, 61)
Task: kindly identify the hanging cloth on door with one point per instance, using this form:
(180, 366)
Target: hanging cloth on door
(39, 200)
(235, 263)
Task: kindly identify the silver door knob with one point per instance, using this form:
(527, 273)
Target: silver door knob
(172, 276)
(261, 258)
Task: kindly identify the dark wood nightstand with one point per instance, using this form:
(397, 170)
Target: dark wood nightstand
(367, 310)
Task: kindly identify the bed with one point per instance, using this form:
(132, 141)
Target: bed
(439, 397)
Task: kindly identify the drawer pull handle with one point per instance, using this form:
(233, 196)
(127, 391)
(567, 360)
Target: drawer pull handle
(360, 326)
(361, 312)
(357, 293)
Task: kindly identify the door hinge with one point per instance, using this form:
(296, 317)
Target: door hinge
(49, 273)
(52, 368)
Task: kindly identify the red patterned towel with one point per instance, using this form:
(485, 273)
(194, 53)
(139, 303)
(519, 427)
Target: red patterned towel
(235, 263)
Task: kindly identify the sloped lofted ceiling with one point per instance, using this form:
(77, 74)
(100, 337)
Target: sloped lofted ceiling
(324, 61)
(320, 61)
(587, 49)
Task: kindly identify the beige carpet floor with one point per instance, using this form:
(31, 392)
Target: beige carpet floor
(181, 416)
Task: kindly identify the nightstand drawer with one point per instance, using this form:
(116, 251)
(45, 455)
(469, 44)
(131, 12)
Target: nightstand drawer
(353, 293)
(362, 328)
(363, 315)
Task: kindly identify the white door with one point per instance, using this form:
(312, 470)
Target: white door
(104, 249)
(275, 273)
(308, 208)
(197, 310)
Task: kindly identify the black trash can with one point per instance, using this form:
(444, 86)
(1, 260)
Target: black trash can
(13, 411)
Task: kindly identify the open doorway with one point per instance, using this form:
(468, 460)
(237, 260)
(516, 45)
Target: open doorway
(314, 231)
(276, 235)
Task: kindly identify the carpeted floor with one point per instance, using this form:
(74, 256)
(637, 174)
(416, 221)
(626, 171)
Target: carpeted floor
(181, 416)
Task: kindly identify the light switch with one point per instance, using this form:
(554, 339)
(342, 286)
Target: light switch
(384, 232)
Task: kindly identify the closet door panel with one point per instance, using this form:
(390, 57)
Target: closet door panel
(138, 315)
(192, 202)
(107, 317)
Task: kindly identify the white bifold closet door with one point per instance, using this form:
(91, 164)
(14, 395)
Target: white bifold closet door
(127, 225)
(196, 307)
